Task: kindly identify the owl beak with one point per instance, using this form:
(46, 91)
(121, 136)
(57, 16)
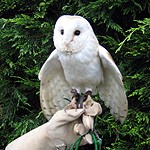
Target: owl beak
(67, 40)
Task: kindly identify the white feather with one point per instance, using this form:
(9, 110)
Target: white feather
(80, 62)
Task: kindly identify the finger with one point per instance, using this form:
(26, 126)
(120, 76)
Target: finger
(93, 110)
(80, 129)
(88, 122)
(75, 113)
(61, 117)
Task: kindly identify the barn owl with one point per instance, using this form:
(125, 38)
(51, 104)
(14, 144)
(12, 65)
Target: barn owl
(80, 62)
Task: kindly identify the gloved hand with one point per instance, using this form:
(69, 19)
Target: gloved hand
(61, 131)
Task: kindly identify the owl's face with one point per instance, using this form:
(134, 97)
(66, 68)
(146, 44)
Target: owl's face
(72, 33)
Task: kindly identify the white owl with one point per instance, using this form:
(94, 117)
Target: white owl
(81, 63)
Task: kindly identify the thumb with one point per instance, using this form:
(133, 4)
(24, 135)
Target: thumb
(61, 117)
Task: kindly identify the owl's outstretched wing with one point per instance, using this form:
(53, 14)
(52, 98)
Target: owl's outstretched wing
(111, 90)
(53, 86)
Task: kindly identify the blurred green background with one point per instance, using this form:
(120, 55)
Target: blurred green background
(26, 32)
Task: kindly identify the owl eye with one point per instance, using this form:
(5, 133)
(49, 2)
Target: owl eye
(62, 32)
(77, 32)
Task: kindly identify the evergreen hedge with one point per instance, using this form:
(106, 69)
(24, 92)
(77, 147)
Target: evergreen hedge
(26, 31)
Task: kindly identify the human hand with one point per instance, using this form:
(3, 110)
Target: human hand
(61, 131)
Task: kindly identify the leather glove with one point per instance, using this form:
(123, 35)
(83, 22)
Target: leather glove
(61, 131)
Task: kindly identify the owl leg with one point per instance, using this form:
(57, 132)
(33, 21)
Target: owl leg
(89, 92)
(74, 104)
(78, 98)
(75, 93)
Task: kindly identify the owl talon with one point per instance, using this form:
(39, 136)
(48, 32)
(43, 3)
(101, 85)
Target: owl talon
(86, 95)
(72, 104)
(76, 102)
(75, 93)
(77, 97)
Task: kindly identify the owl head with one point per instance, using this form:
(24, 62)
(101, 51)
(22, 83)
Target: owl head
(72, 34)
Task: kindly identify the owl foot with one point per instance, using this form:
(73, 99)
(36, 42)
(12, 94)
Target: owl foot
(86, 94)
(75, 94)
(74, 102)
(77, 100)
(80, 98)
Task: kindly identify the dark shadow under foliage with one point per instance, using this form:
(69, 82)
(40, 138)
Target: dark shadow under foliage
(26, 31)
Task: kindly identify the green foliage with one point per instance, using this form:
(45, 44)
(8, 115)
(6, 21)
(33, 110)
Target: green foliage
(133, 57)
(26, 30)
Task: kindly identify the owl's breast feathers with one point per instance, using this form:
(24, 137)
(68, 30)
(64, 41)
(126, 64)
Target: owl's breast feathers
(82, 68)
(81, 63)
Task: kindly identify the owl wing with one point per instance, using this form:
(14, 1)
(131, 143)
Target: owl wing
(111, 90)
(53, 86)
